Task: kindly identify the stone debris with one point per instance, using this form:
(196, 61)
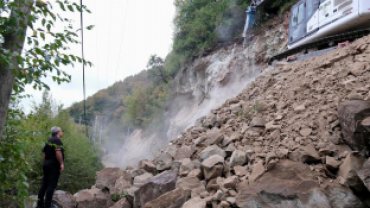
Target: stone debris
(93, 198)
(162, 183)
(211, 150)
(332, 164)
(351, 115)
(298, 136)
(64, 199)
(123, 203)
(142, 179)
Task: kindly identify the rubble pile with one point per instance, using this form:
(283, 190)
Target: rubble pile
(298, 136)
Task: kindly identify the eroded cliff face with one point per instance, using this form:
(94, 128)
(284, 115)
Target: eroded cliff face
(202, 85)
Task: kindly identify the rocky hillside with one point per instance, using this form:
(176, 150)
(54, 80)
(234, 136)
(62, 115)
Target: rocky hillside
(202, 85)
(298, 136)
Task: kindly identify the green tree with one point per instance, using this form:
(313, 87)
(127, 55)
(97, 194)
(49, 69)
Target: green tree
(155, 65)
(82, 159)
(21, 152)
(46, 50)
(26, 60)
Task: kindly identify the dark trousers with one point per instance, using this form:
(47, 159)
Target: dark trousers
(49, 183)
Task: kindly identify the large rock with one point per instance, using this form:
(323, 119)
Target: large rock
(64, 199)
(130, 194)
(213, 172)
(142, 179)
(230, 182)
(189, 183)
(173, 199)
(120, 185)
(183, 152)
(155, 187)
(212, 161)
(258, 122)
(30, 203)
(135, 173)
(214, 136)
(351, 114)
(107, 177)
(210, 121)
(366, 122)
(293, 185)
(364, 174)
(240, 170)
(234, 137)
(146, 165)
(348, 172)
(123, 203)
(163, 161)
(238, 158)
(211, 150)
(195, 202)
(332, 164)
(196, 173)
(93, 198)
(309, 154)
(171, 150)
(257, 172)
(213, 167)
(188, 165)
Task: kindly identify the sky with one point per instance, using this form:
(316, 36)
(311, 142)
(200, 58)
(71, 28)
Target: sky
(126, 33)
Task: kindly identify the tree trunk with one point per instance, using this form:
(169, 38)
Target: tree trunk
(162, 75)
(12, 42)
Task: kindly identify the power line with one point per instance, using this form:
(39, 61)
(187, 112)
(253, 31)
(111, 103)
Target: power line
(83, 60)
(96, 44)
(120, 45)
(110, 20)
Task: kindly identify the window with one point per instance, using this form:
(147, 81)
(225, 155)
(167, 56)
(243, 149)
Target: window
(295, 16)
(337, 2)
(301, 13)
(309, 8)
(312, 6)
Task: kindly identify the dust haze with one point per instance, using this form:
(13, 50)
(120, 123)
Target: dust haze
(225, 75)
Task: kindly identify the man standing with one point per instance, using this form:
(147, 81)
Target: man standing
(53, 166)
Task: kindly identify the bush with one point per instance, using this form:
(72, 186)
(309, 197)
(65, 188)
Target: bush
(82, 159)
(21, 152)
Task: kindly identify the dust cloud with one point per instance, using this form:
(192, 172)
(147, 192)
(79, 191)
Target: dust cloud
(225, 75)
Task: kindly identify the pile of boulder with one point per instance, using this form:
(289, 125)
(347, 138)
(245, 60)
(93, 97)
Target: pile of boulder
(298, 136)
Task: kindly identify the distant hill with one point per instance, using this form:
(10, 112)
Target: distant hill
(108, 102)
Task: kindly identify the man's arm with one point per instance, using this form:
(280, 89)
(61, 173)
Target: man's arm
(60, 159)
(43, 156)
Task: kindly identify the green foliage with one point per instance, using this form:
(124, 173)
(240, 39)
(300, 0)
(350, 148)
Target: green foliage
(109, 102)
(286, 5)
(21, 150)
(279, 6)
(138, 101)
(157, 72)
(256, 107)
(115, 197)
(13, 165)
(145, 104)
(82, 159)
(197, 23)
(46, 50)
(200, 25)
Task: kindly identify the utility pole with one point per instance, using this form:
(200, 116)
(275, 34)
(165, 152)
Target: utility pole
(101, 129)
(96, 119)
